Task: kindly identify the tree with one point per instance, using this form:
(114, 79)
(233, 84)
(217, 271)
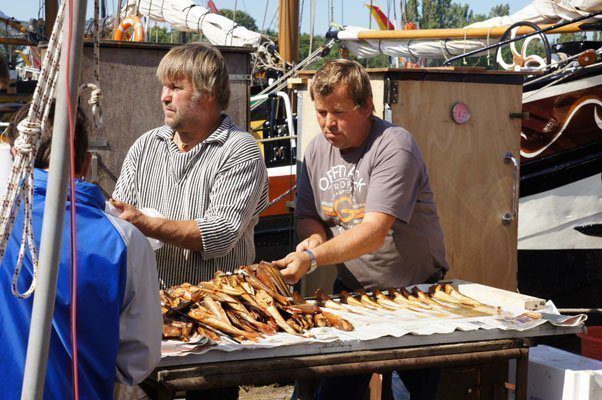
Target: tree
(430, 14)
(500, 10)
(159, 34)
(455, 16)
(411, 14)
(242, 19)
(447, 14)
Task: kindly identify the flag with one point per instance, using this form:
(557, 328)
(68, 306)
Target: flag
(381, 19)
(212, 7)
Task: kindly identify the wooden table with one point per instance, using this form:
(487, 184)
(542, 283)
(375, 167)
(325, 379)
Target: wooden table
(216, 369)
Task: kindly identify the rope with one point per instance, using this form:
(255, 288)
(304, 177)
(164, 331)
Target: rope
(282, 196)
(488, 49)
(444, 50)
(96, 95)
(20, 186)
(301, 15)
(331, 12)
(464, 49)
(265, 13)
(312, 13)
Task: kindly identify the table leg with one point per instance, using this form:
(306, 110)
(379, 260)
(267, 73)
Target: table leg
(386, 392)
(522, 367)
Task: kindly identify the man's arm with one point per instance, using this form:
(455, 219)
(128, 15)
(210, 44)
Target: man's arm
(233, 202)
(311, 232)
(185, 234)
(366, 237)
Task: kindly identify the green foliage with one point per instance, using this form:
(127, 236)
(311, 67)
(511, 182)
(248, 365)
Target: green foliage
(242, 18)
(160, 34)
(429, 18)
(412, 14)
(500, 10)
(455, 16)
(447, 14)
(570, 37)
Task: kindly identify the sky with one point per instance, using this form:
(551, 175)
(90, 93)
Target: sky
(346, 12)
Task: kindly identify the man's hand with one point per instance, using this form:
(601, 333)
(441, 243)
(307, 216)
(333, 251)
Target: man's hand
(293, 266)
(310, 243)
(129, 213)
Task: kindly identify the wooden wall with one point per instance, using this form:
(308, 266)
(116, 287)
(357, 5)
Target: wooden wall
(471, 182)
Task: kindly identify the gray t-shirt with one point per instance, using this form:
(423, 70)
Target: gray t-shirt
(386, 174)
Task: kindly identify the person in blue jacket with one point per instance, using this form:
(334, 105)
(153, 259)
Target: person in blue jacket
(118, 307)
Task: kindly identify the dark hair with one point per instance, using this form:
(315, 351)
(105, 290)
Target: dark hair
(43, 153)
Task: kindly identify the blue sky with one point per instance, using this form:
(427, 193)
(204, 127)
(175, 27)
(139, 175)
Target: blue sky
(349, 12)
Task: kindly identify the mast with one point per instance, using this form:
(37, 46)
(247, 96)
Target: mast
(288, 31)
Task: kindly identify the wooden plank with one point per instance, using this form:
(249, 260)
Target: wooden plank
(458, 33)
(275, 364)
(255, 376)
(494, 296)
(471, 183)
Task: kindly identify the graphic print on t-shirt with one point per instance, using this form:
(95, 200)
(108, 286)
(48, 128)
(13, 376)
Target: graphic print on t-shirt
(343, 201)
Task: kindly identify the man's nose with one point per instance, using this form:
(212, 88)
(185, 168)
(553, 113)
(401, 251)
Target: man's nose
(330, 120)
(165, 95)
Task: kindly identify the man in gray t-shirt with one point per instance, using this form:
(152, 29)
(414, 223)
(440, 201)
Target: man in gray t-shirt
(387, 175)
(364, 204)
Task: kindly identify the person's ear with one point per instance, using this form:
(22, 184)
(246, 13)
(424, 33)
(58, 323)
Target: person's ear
(368, 108)
(86, 165)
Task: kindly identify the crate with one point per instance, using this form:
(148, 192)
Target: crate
(559, 375)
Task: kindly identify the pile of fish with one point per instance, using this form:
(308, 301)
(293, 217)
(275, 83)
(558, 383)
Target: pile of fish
(254, 302)
(247, 305)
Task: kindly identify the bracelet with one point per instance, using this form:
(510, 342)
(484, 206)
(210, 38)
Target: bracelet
(313, 263)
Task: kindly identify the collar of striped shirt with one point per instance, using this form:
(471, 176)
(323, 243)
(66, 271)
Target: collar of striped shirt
(220, 135)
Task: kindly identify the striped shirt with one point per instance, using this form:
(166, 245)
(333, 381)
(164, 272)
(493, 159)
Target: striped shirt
(221, 183)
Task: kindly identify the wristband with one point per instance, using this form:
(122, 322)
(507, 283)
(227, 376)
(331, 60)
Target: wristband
(313, 263)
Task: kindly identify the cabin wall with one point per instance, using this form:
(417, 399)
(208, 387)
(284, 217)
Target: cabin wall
(131, 99)
(473, 186)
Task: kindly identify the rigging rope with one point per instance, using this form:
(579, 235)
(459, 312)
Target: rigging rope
(301, 15)
(96, 94)
(265, 13)
(312, 20)
(20, 184)
(331, 13)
